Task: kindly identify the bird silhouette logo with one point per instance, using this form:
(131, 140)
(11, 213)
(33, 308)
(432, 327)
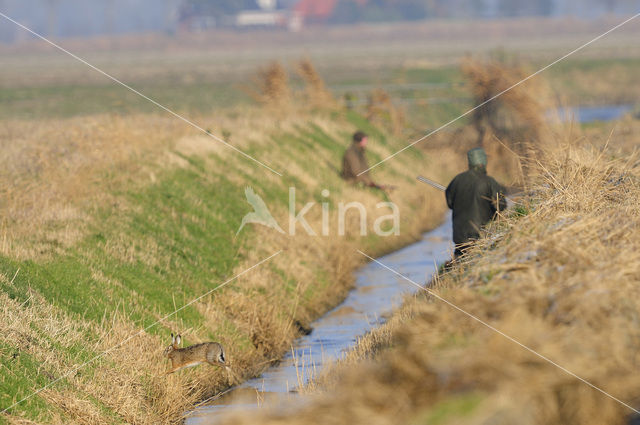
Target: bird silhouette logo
(260, 214)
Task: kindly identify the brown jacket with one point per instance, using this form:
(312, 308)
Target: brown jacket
(354, 162)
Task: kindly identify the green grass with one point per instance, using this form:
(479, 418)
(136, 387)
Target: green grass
(450, 409)
(82, 100)
(596, 81)
(21, 373)
(191, 220)
(594, 65)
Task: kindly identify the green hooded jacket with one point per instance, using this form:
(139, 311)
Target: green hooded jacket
(472, 196)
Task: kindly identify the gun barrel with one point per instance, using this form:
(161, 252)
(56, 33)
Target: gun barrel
(431, 183)
(442, 188)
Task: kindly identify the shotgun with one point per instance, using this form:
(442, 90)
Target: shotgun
(442, 188)
(431, 183)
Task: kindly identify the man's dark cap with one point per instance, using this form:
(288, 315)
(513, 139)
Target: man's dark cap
(358, 136)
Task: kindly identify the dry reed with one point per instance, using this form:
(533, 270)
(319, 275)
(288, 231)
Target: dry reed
(382, 111)
(272, 86)
(517, 111)
(316, 91)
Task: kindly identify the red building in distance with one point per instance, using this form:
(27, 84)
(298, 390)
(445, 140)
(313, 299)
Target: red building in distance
(317, 11)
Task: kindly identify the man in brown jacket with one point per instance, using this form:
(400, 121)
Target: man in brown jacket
(355, 162)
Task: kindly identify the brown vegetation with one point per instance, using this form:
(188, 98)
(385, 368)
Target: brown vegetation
(272, 84)
(65, 188)
(382, 110)
(317, 93)
(507, 104)
(561, 279)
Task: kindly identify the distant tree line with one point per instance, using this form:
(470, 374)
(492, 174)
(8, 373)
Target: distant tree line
(348, 11)
(215, 8)
(351, 11)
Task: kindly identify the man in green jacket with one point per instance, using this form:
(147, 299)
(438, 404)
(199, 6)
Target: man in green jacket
(475, 198)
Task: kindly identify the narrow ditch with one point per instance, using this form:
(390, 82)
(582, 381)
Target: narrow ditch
(376, 293)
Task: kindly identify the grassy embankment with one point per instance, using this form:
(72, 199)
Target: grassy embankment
(559, 275)
(112, 222)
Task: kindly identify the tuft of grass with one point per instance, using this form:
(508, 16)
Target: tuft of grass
(272, 86)
(382, 111)
(316, 91)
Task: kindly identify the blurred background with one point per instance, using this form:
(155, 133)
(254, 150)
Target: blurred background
(78, 18)
(195, 55)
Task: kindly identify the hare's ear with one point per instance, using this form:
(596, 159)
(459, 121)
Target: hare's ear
(178, 340)
(173, 339)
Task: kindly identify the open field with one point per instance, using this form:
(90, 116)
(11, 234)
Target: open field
(348, 52)
(418, 63)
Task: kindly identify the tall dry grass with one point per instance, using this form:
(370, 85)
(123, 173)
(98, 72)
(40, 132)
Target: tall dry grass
(65, 171)
(272, 86)
(561, 279)
(382, 110)
(510, 111)
(273, 89)
(316, 91)
(512, 120)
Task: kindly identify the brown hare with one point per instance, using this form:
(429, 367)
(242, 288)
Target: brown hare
(207, 352)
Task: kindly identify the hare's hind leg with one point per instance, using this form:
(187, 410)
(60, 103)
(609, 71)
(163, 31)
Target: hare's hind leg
(170, 368)
(231, 377)
(213, 362)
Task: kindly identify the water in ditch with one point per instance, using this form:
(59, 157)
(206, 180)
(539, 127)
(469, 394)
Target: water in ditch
(376, 293)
